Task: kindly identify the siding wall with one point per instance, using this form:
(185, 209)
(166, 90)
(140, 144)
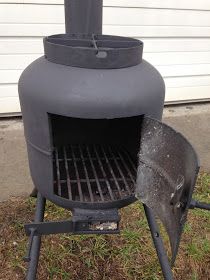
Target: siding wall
(176, 34)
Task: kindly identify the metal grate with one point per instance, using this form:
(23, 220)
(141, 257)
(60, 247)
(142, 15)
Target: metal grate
(93, 173)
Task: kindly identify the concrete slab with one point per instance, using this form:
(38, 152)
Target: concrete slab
(14, 173)
(191, 120)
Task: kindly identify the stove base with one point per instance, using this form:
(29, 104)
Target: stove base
(111, 225)
(97, 222)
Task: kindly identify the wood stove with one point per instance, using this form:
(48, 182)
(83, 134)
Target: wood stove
(85, 104)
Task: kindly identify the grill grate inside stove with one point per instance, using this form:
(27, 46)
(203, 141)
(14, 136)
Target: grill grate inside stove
(93, 173)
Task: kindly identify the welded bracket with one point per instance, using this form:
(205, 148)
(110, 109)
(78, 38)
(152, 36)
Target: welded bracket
(84, 221)
(82, 227)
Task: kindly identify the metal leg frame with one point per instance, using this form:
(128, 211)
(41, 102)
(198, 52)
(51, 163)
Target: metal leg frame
(159, 246)
(35, 241)
(39, 228)
(32, 256)
(196, 204)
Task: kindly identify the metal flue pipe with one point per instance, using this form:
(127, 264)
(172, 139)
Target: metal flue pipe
(83, 16)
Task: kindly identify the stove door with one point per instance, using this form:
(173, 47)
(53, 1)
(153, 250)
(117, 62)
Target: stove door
(166, 176)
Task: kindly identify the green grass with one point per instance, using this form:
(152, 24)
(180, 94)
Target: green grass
(203, 188)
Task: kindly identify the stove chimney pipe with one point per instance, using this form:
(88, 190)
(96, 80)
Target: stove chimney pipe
(83, 16)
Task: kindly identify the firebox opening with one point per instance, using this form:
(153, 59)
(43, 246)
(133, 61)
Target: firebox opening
(95, 160)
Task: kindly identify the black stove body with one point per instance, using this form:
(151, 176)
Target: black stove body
(88, 90)
(88, 105)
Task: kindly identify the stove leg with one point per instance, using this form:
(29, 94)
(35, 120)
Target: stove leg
(159, 246)
(197, 204)
(34, 249)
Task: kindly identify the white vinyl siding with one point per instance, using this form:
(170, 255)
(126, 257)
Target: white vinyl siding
(176, 36)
